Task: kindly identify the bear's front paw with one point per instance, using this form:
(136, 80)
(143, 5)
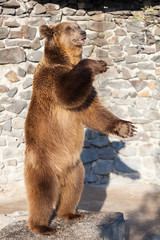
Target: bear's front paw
(102, 66)
(124, 129)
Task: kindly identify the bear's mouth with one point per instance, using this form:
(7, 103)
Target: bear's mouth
(79, 41)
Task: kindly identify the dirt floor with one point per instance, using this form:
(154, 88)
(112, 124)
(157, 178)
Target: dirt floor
(140, 204)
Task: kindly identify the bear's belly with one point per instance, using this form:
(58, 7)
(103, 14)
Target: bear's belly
(64, 135)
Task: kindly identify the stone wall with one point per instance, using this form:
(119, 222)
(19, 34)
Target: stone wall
(130, 88)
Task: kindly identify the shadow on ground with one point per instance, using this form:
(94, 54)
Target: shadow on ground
(144, 222)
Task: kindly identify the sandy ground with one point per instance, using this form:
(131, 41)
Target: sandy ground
(139, 202)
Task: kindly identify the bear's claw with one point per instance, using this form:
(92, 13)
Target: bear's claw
(125, 129)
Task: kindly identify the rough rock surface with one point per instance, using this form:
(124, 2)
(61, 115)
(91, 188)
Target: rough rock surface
(94, 226)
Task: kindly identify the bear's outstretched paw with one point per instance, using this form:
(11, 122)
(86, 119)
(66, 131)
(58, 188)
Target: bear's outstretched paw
(102, 66)
(43, 230)
(125, 129)
(73, 216)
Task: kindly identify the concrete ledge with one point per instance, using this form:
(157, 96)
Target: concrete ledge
(95, 226)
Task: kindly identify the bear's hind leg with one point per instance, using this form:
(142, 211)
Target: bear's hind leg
(42, 192)
(71, 193)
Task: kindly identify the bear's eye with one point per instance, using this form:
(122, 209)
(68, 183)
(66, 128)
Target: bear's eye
(68, 28)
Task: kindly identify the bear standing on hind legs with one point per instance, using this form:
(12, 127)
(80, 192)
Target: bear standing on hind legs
(63, 101)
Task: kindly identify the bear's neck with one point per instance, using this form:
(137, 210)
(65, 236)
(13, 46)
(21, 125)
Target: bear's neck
(57, 55)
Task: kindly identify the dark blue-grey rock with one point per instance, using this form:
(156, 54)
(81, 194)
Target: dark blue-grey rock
(100, 141)
(89, 176)
(103, 167)
(118, 145)
(106, 153)
(17, 106)
(12, 55)
(90, 134)
(12, 92)
(89, 155)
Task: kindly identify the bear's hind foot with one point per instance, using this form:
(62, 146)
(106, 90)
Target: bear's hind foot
(72, 216)
(43, 230)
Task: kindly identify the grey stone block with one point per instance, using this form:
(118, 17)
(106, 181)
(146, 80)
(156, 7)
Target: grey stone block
(8, 11)
(156, 95)
(156, 59)
(27, 83)
(35, 56)
(26, 95)
(138, 39)
(3, 89)
(36, 44)
(18, 123)
(3, 32)
(100, 26)
(135, 26)
(119, 84)
(87, 50)
(7, 126)
(17, 106)
(2, 141)
(12, 92)
(21, 72)
(12, 55)
(11, 4)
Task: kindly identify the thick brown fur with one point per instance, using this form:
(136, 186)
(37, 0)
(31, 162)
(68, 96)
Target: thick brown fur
(63, 101)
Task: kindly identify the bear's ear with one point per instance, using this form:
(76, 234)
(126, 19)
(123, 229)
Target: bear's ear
(46, 31)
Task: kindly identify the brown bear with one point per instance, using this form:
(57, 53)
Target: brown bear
(63, 101)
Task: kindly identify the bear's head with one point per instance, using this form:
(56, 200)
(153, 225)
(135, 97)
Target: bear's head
(66, 35)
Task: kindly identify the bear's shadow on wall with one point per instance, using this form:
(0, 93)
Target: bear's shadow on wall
(106, 160)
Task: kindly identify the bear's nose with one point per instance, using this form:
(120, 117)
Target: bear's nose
(83, 33)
